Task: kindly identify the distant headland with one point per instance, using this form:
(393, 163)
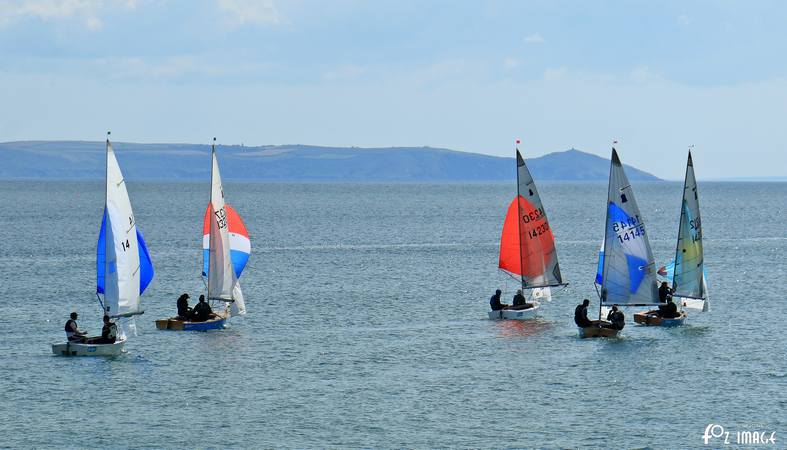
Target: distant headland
(81, 160)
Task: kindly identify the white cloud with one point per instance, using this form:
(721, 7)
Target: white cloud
(534, 38)
(49, 10)
(684, 20)
(249, 12)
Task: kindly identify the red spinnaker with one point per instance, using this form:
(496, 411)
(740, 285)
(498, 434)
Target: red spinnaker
(526, 248)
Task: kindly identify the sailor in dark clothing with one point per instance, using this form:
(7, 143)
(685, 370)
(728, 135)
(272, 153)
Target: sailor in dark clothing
(617, 319)
(184, 312)
(109, 333)
(494, 302)
(73, 333)
(668, 311)
(202, 311)
(520, 302)
(581, 314)
(664, 292)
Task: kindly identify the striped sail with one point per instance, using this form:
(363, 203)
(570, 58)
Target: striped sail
(628, 275)
(240, 249)
(688, 272)
(527, 246)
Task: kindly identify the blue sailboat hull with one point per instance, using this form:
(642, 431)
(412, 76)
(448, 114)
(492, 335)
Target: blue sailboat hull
(176, 324)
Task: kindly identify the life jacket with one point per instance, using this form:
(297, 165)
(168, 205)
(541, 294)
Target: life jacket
(70, 334)
(618, 320)
(581, 316)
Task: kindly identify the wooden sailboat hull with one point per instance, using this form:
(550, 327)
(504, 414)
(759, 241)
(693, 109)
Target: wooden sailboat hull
(176, 324)
(515, 314)
(76, 349)
(597, 330)
(649, 318)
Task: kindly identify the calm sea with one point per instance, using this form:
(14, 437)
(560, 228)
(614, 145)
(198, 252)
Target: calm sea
(367, 324)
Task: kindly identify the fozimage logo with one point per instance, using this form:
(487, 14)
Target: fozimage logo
(717, 434)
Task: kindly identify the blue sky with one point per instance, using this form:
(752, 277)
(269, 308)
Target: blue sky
(466, 75)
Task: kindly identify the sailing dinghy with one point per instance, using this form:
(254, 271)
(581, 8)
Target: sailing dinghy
(527, 247)
(689, 290)
(225, 248)
(123, 266)
(626, 261)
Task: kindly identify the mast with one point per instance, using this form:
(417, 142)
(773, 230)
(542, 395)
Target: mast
(519, 216)
(104, 308)
(680, 219)
(603, 294)
(210, 206)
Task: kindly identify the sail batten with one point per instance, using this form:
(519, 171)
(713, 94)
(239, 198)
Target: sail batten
(527, 245)
(626, 260)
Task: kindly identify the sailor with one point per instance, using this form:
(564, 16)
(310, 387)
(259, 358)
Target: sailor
(519, 301)
(494, 301)
(664, 292)
(202, 311)
(581, 314)
(184, 311)
(109, 333)
(668, 311)
(617, 319)
(73, 333)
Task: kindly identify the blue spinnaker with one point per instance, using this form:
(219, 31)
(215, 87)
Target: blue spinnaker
(146, 271)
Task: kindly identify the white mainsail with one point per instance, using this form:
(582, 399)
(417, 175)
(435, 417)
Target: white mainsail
(629, 275)
(221, 275)
(688, 275)
(121, 265)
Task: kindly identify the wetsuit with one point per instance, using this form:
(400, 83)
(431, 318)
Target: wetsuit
(670, 311)
(494, 303)
(183, 308)
(664, 292)
(201, 312)
(581, 316)
(618, 320)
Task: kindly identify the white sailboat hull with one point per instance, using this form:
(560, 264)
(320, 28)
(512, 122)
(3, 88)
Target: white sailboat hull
(76, 349)
(695, 304)
(515, 314)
